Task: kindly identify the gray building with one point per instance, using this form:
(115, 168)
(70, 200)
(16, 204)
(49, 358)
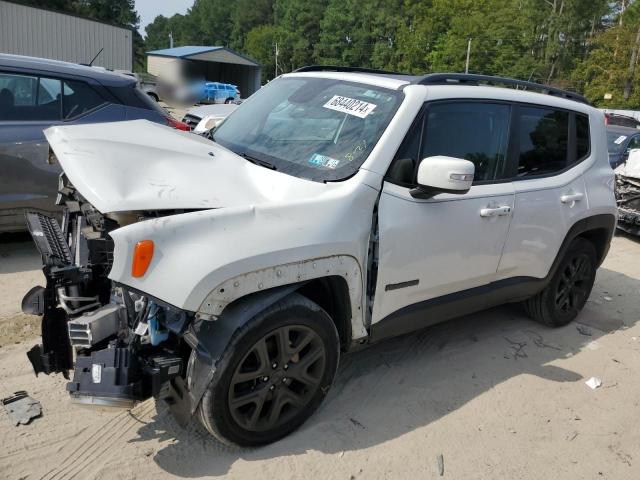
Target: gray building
(44, 33)
(216, 64)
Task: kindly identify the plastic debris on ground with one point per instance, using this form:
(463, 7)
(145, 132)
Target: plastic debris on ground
(593, 382)
(584, 330)
(22, 408)
(441, 465)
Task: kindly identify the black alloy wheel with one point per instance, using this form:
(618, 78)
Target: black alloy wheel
(277, 378)
(575, 283)
(273, 374)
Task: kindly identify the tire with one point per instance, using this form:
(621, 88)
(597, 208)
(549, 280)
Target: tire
(228, 100)
(255, 377)
(154, 97)
(567, 292)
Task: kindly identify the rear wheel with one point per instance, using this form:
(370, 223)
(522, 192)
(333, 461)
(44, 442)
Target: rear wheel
(273, 375)
(228, 100)
(567, 292)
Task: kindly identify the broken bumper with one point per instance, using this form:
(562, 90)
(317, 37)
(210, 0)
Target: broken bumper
(628, 200)
(127, 346)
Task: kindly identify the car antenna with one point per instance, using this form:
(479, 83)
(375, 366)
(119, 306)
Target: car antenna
(94, 58)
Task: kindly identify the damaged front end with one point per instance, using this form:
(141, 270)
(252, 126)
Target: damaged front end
(127, 346)
(628, 194)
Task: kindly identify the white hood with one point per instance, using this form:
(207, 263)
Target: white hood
(140, 165)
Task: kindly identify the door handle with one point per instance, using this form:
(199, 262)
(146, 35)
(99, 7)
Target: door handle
(571, 197)
(496, 211)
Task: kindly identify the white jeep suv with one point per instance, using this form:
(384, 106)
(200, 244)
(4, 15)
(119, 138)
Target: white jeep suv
(335, 207)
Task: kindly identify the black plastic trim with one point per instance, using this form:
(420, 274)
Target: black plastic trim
(337, 68)
(474, 79)
(398, 286)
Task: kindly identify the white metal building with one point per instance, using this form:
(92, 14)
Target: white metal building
(38, 32)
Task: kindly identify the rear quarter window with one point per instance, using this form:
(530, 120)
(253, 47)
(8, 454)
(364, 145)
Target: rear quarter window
(79, 98)
(583, 138)
(132, 96)
(543, 140)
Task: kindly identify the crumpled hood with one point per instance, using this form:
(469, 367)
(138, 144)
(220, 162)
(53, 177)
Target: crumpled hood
(140, 165)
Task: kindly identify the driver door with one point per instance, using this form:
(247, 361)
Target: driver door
(433, 250)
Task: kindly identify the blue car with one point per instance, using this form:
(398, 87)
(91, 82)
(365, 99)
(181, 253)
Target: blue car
(35, 94)
(620, 141)
(216, 92)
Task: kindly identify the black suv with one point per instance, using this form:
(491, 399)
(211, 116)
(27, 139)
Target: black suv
(36, 93)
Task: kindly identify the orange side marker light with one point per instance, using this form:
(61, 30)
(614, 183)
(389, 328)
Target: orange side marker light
(142, 255)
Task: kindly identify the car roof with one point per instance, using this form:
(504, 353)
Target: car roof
(57, 67)
(450, 90)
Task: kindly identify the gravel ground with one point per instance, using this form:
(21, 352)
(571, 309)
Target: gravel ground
(488, 396)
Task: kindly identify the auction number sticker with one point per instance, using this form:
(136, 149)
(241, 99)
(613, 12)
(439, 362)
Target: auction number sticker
(620, 139)
(351, 106)
(323, 161)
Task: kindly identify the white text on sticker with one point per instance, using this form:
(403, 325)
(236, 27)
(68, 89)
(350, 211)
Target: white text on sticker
(352, 106)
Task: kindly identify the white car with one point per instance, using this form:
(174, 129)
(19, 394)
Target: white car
(216, 111)
(333, 209)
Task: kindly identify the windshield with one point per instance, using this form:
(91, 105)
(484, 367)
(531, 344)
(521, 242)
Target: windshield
(615, 141)
(315, 128)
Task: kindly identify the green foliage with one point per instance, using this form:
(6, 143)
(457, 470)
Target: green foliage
(591, 46)
(608, 66)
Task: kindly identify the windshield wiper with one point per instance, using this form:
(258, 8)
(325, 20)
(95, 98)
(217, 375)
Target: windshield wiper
(257, 161)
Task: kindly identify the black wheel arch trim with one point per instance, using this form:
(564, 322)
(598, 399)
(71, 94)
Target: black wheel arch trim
(210, 338)
(597, 228)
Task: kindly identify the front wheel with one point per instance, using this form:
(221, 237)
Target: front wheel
(273, 375)
(567, 292)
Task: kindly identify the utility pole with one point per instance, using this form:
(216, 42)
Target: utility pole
(466, 68)
(170, 39)
(276, 60)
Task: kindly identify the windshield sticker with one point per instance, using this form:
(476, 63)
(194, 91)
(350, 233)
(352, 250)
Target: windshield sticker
(620, 139)
(357, 151)
(323, 161)
(350, 106)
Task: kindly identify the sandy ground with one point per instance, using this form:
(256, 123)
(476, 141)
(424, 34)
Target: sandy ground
(495, 394)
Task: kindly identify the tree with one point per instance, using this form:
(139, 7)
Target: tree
(611, 66)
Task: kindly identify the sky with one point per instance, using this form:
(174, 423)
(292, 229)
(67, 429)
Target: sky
(150, 9)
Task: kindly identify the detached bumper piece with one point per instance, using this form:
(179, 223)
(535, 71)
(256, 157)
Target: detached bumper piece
(628, 199)
(115, 377)
(21, 408)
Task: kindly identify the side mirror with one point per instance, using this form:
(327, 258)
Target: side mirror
(442, 174)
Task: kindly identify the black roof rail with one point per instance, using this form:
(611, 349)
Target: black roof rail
(475, 79)
(335, 68)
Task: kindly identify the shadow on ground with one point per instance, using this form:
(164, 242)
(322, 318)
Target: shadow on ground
(415, 380)
(18, 253)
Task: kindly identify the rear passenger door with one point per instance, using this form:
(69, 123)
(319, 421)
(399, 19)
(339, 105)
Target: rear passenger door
(550, 191)
(451, 242)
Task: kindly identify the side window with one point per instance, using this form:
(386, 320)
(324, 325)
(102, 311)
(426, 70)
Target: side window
(79, 98)
(30, 98)
(583, 139)
(633, 143)
(475, 131)
(543, 136)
